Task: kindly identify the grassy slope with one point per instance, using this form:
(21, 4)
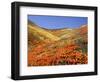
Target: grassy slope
(57, 38)
(42, 32)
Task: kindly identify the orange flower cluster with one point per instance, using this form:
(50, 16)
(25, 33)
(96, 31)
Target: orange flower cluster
(68, 55)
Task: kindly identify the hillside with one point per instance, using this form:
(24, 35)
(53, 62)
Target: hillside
(56, 47)
(41, 32)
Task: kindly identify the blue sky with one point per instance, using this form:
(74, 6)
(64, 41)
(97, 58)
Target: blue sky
(58, 22)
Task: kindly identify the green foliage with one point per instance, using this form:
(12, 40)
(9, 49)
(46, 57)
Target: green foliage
(82, 44)
(62, 62)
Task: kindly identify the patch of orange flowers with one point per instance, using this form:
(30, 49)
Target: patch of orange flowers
(68, 55)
